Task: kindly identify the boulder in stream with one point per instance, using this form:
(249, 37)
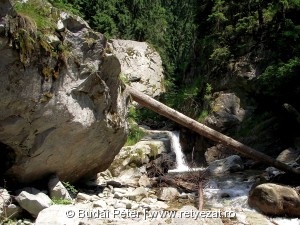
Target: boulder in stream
(230, 164)
(275, 200)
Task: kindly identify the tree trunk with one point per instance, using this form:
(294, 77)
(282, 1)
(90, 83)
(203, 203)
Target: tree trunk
(205, 131)
(200, 196)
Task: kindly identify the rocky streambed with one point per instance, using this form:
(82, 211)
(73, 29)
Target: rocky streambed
(136, 189)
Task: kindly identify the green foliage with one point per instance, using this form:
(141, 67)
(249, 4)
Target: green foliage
(38, 12)
(71, 188)
(254, 125)
(135, 135)
(280, 76)
(61, 201)
(66, 7)
(220, 54)
(203, 115)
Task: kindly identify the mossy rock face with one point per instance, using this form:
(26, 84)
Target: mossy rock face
(137, 155)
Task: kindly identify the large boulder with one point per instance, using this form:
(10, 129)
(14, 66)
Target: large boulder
(275, 200)
(230, 164)
(141, 65)
(140, 154)
(217, 152)
(60, 115)
(227, 112)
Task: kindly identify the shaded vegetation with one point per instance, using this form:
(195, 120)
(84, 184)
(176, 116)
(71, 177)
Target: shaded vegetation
(201, 42)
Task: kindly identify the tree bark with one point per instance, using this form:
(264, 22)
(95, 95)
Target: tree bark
(200, 196)
(205, 131)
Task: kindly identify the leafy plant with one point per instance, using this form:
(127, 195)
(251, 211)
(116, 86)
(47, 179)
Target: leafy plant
(61, 201)
(71, 188)
(38, 12)
(135, 135)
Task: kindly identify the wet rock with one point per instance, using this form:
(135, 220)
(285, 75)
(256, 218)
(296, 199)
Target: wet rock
(230, 164)
(33, 200)
(217, 152)
(275, 200)
(57, 190)
(168, 194)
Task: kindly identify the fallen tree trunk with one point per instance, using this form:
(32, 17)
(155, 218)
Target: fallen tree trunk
(203, 130)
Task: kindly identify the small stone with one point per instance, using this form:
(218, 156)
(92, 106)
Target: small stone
(100, 203)
(168, 193)
(134, 206)
(119, 205)
(83, 197)
(118, 196)
(57, 189)
(114, 183)
(138, 194)
(144, 181)
(101, 195)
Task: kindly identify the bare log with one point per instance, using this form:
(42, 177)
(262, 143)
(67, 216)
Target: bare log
(200, 196)
(205, 131)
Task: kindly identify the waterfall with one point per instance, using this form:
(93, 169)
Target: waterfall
(181, 165)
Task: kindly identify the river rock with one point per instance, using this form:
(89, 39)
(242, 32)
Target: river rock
(137, 155)
(227, 112)
(71, 120)
(230, 164)
(275, 200)
(288, 155)
(217, 152)
(141, 65)
(168, 193)
(33, 200)
(57, 190)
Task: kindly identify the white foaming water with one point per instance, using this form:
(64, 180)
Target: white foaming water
(181, 165)
(225, 192)
(176, 147)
